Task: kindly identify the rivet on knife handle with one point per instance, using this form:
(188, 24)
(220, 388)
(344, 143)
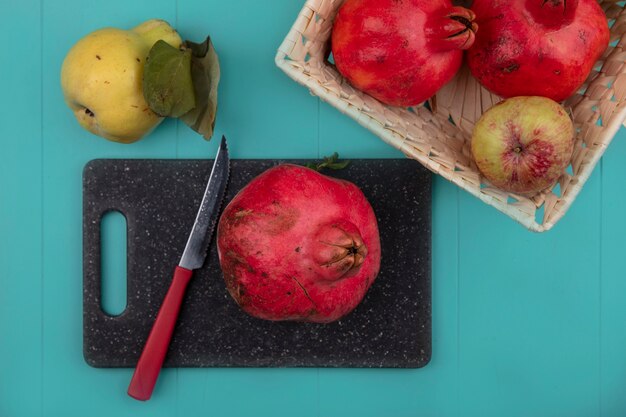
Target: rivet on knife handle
(152, 357)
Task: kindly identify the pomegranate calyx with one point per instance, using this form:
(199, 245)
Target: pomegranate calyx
(552, 14)
(338, 250)
(453, 29)
(351, 255)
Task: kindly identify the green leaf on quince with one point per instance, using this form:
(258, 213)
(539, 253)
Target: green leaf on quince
(167, 81)
(182, 83)
(205, 73)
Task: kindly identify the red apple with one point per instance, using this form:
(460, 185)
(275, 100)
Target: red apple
(523, 144)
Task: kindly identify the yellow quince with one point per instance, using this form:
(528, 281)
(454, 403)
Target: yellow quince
(101, 78)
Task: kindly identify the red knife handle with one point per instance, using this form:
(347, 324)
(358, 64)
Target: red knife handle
(153, 354)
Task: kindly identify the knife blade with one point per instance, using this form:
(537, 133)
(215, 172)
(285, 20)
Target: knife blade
(151, 360)
(198, 243)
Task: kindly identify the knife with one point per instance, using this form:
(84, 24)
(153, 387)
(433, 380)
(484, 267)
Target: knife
(153, 354)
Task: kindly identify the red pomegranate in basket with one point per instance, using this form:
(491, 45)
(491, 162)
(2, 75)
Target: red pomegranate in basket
(401, 51)
(537, 47)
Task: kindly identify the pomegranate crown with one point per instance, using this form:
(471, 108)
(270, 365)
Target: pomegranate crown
(552, 13)
(453, 29)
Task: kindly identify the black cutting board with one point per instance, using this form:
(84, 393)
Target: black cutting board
(159, 198)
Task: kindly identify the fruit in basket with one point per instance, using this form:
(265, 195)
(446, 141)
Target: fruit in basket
(523, 144)
(400, 52)
(537, 47)
(298, 245)
(101, 78)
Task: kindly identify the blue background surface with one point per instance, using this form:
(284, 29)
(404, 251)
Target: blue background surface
(523, 324)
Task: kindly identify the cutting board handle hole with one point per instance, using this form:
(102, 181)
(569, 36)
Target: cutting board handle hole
(113, 231)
